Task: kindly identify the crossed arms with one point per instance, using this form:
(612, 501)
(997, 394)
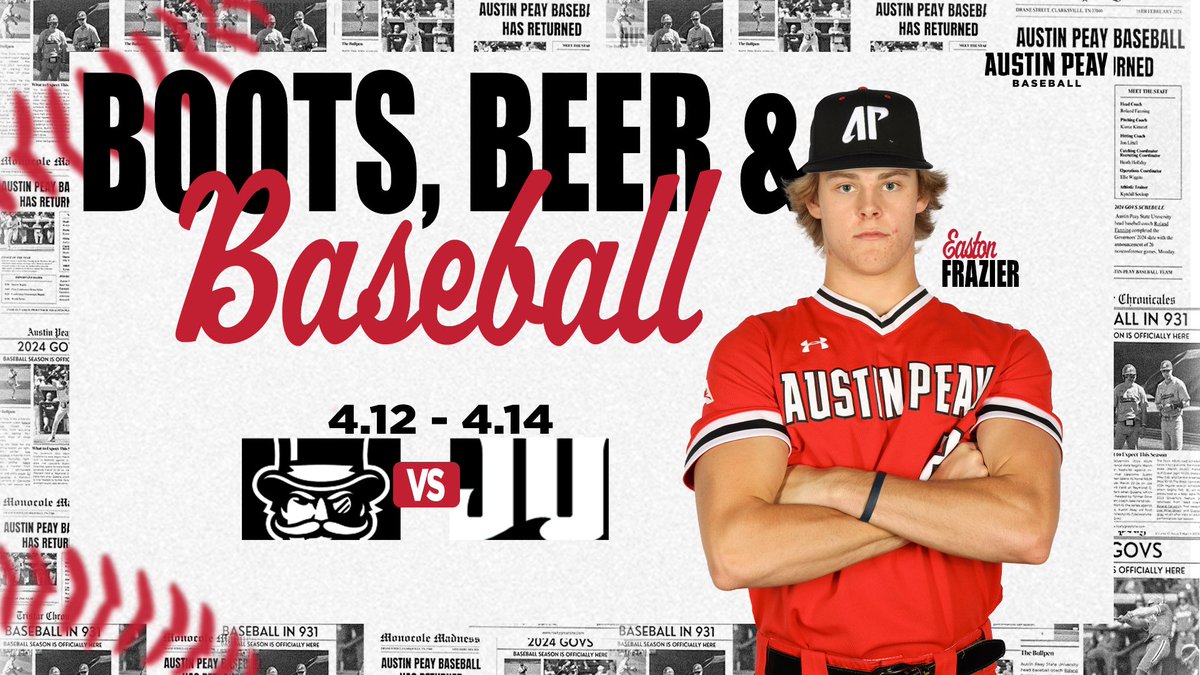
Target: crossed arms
(765, 524)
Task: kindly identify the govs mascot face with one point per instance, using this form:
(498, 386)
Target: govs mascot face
(320, 491)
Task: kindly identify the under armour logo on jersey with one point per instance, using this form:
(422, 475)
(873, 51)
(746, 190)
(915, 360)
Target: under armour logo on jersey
(861, 126)
(819, 341)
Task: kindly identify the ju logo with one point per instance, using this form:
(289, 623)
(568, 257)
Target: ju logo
(319, 488)
(531, 488)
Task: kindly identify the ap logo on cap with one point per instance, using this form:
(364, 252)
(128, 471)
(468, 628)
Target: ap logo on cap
(861, 126)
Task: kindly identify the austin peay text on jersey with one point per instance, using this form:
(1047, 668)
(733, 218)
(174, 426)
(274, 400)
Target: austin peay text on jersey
(950, 389)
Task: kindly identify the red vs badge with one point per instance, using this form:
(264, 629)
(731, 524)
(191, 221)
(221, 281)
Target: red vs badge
(433, 485)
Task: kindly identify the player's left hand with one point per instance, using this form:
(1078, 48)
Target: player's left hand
(964, 461)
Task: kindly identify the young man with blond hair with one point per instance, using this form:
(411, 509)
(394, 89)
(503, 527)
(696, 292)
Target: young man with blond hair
(868, 457)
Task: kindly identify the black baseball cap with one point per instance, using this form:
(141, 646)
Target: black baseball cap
(865, 128)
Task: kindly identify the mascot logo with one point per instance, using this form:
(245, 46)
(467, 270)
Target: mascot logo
(318, 490)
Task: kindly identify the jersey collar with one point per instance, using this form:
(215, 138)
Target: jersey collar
(884, 324)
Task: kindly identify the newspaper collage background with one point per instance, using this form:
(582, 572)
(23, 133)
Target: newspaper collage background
(1066, 150)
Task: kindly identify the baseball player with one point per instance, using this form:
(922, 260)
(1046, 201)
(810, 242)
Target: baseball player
(1186, 618)
(837, 38)
(623, 23)
(46, 409)
(1159, 620)
(226, 19)
(24, 570)
(441, 38)
(12, 381)
(304, 38)
(756, 13)
(1171, 397)
(64, 397)
(9, 19)
(360, 11)
(852, 445)
(52, 47)
(665, 39)
(1129, 410)
(808, 28)
(269, 39)
(143, 13)
(699, 37)
(792, 38)
(86, 39)
(412, 34)
(395, 39)
(272, 671)
(440, 12)
(196, 29)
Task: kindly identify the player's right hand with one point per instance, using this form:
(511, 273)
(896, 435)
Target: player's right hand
(964, 461)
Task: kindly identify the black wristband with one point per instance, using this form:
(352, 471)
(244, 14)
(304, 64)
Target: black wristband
(873, 497)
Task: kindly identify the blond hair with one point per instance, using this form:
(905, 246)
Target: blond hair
(931, 185)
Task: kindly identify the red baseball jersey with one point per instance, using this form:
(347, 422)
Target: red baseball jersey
(845, 387)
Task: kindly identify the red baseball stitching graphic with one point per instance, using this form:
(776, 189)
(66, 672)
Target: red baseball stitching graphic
(23, 157)
(73, 608)
(8, 604)
(143, 613)
(42, 588)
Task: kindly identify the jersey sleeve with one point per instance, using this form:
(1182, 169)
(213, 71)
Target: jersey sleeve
(739, 395)
(1022, 389)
